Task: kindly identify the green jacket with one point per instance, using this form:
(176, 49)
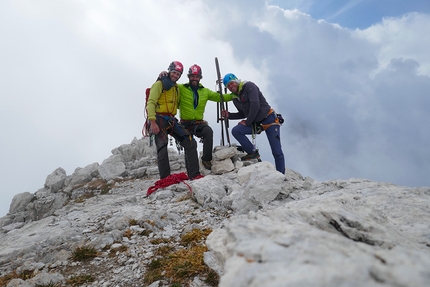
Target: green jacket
(187, 111)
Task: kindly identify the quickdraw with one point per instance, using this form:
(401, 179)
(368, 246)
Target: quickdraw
(168, 130)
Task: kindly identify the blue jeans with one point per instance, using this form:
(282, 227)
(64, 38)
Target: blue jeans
(273, 134)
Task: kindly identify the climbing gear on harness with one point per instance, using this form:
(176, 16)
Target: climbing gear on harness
(179, 147)
(254, 132)
(172, 125)
(194, 126)
(259, 127)
(167, 181)
(280, 118)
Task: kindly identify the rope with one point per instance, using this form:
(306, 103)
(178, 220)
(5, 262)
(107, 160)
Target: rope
(167, 181)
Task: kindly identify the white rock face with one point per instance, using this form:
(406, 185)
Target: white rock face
(351, 233)
(269, 229)
(55, 181)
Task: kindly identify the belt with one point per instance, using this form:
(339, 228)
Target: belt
(166, 114)
(193, 122)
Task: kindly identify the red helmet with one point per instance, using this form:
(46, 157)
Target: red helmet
(195, 70)
(176, 66)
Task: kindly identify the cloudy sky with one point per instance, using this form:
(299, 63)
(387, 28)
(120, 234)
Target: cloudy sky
(351, 78)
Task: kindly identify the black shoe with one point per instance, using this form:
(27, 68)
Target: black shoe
(250, 156)
(207, 164)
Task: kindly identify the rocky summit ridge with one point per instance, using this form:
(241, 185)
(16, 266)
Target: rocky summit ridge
(243, 224)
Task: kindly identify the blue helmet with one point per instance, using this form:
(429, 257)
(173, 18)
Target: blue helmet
(228, 78)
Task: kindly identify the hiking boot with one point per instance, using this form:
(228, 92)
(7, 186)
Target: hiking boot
(250, 156)
(207, 164)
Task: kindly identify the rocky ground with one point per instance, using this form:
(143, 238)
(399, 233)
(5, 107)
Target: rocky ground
(125, 228)
(243, 224)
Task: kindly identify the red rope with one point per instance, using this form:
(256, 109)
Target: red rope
(167, 181)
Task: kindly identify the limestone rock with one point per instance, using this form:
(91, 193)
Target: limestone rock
(55, 181)
(20, 202)
(86, 174)
(112, 167)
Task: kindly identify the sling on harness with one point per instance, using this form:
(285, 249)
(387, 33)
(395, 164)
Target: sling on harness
(168, 130)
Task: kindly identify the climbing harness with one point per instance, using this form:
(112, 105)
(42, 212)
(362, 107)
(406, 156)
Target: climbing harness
(167, 181)
(258, 128)
(172, 124)
(196, 127)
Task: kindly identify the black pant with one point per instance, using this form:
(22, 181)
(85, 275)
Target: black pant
(170, 126)
(202, 130)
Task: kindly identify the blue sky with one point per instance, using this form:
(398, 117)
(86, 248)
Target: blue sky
(355, 13)
(353, 89)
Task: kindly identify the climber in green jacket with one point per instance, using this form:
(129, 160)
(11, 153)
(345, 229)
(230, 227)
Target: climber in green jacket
(192, 104)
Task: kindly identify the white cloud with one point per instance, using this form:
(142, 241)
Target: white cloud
(73, 76)
(404, 37)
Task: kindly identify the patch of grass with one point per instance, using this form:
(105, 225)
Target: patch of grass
(113, 251)
(84, 253)
(128, 233)
(154, 272)
(158, 241)
(97, 184)
(84, 197)
(150, 222)
(163, 250)
(180, 266)
(186, 263)
(197, 235)
(146, 233)
(50, 284)
(212, 279)
(4, 280)
(80, 280)
(100, 184)
(132, 222)
(185, 197)
(196, 220)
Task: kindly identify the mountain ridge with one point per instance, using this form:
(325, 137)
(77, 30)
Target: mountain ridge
(257, 227)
